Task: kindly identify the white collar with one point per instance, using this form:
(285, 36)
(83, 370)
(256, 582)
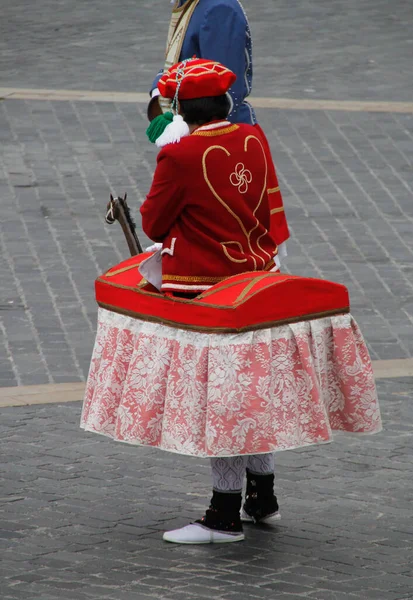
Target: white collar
(213, 126)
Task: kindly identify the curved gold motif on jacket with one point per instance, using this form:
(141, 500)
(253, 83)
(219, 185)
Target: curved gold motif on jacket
(231, 258)
(264, 189)
(241, 178)
(256, 258)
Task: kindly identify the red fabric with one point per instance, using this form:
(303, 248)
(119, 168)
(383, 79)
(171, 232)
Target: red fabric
(198, 78)
(209, 206)
(245, 301)
(279, 227)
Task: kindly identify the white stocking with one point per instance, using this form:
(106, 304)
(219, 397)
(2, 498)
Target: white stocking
(261, 464)
(228, 473)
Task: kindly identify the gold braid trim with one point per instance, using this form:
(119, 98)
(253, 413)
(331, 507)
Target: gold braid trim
(194, 278)
(215, 132)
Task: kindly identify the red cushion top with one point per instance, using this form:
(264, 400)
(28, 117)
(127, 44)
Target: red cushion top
(252, 300)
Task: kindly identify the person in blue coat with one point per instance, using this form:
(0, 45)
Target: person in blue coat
(217, 30)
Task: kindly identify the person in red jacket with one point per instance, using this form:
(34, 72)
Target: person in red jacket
(210, 191)
(219, 30)
(210, 207)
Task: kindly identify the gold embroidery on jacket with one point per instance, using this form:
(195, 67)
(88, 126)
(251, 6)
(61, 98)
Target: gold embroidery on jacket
(193, 278)
(254, 255)
(221, 201)
(241, 178)
(231, 258)
(215, 132)
(250, 137)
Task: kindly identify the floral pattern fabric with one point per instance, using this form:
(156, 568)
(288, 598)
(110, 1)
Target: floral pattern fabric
(229, 394)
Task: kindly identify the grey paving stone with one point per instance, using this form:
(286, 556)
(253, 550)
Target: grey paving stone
(345, 528)
(358, 252)
(346, 177)
(76, 519)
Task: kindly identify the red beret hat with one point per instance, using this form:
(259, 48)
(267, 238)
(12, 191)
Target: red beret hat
(196, 78)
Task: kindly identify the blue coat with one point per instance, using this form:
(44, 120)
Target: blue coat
(219, 30)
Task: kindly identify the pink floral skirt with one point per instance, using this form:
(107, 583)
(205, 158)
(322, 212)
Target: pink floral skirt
(229, 394)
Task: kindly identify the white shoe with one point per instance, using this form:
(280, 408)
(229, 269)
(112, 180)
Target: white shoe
(268, 520)
(198, 534)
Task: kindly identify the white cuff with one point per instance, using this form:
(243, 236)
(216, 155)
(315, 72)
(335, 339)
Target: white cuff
(282, 250)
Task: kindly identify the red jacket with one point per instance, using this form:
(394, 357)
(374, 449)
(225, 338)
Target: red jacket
(209, 205)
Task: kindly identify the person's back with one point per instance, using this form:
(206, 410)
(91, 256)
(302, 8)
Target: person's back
(209, 206)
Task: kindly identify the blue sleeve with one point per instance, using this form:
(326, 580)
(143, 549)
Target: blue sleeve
(155, 81)
(223, 38)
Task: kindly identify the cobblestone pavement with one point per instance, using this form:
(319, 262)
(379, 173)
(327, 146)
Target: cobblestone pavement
(346, 177)
(347, 185)
(76, 520)
(336, 49)
(82, 517)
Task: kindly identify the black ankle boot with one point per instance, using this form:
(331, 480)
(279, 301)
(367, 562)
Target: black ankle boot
(223, 512)
(260, 504)
(220, 525)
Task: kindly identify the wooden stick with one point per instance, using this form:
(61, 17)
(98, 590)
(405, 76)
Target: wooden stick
(118, 210)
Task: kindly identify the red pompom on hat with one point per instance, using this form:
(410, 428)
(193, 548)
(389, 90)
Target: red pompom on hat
(196, 78)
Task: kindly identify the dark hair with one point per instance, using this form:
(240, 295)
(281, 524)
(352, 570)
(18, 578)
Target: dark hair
(203, 110)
